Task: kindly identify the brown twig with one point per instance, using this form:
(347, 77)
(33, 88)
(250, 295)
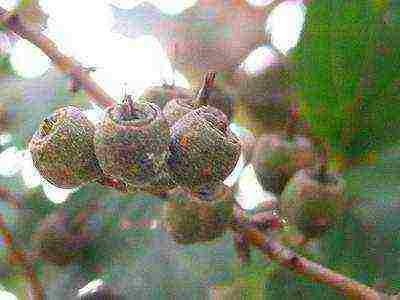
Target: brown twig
(66, 64)
(19, 256)
(300, 265)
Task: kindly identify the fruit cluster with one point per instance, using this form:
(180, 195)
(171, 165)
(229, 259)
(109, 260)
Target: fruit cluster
(139, 146)
(188, 143)
(311, 198)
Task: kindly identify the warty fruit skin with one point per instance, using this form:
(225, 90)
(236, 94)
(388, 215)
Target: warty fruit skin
(192, 220)
(203, 149)
(132, 142)
(62, 149)
(313, 205)
(175, 109)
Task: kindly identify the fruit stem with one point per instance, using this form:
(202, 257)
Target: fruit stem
(204, 92)
(277, 252)
(129, 110)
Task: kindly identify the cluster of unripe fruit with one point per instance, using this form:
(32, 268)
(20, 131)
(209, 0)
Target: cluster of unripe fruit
(167, 140)
(141, 146)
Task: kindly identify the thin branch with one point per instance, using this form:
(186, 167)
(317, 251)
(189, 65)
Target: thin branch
(300, 265)
(66, 64)
(19, 256)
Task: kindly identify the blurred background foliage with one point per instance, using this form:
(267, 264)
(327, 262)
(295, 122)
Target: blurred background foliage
(343, 72)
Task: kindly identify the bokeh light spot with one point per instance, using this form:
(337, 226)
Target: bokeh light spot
(28, 60)
(260, 2)
(10, 162)
(285, 24)
(250, 192)
(169, 7)
(259, 60)
(8, 4)
(55, 194)
(4, 295)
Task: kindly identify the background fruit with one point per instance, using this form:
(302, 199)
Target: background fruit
(313, 204)
(190, 220)
(276, 158)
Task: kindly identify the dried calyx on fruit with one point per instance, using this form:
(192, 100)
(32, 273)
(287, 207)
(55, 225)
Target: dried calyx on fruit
(313, 200)
(63, 151)
(189, 219)
(132, 142)
(61, 237)
(203, 149)
(221, 99)
(177, 108)
(277, 157)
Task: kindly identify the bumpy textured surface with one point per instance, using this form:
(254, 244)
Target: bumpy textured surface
(133, 147)
(60, 239)
(176, 109)
(190, 220)
(161, 95)
(312, 205)
(201, 154)
(276, 159)
(162, 185)
(63, 151)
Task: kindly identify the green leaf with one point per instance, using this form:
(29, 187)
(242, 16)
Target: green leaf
(346, 74)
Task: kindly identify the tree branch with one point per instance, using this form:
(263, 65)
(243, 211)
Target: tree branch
(16, 253)
(66, 64)
(300, 265)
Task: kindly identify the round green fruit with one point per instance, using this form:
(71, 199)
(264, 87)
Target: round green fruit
(190, 220)
(203, 149)
(132, 142)
(61, 238)
(62, 149)
(276, 158)
(161, 95)
(313, 203)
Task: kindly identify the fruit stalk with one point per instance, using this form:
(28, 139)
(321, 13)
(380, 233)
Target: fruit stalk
(300, 265)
